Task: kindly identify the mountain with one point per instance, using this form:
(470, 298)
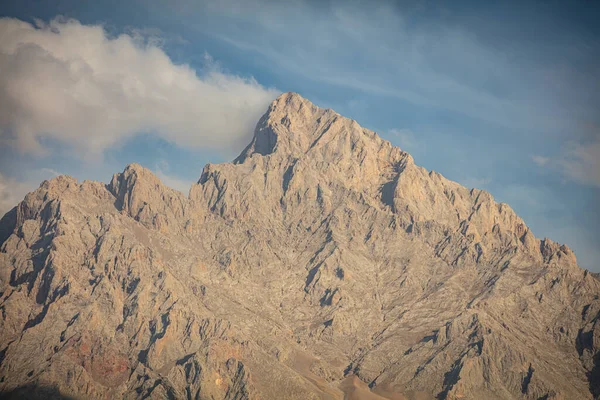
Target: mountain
(321, 263)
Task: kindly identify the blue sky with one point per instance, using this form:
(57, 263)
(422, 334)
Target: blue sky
(502, 97)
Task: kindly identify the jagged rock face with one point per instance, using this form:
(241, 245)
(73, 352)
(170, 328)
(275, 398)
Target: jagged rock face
(321, 263)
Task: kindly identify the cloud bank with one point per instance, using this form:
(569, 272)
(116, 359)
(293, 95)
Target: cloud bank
(74, 84)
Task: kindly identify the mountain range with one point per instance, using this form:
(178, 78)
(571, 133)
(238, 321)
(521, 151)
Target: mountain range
(322, 263)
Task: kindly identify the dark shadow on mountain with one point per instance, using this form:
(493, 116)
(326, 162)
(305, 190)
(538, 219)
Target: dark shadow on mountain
(387, 193)
(594, 377)
(34, 392)
(8, 223)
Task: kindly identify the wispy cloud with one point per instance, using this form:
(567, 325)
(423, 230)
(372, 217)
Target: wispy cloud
(162, 172)
(579, 162)
(434, 65)
(75, 84)
(405, 139)
(51, 171)
(478, 183)
(12, 190)
(540, 160)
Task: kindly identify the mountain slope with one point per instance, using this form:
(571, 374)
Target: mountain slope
(321, 263)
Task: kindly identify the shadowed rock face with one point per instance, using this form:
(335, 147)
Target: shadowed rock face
(321, 263)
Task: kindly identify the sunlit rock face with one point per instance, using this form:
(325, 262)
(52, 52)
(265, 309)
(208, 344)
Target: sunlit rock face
(320, 263)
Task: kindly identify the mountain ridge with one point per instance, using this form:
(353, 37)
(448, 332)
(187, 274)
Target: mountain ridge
(321, 260)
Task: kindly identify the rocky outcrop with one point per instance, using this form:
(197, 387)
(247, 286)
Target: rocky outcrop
(320, 263)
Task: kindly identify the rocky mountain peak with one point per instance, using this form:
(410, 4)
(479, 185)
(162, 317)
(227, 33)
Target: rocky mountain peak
(291, 103)
(140, 194)
(301, 151)
(293, 126)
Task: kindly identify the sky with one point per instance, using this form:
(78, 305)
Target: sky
(503, 97)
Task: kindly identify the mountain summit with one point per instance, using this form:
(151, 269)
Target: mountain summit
(321, 263)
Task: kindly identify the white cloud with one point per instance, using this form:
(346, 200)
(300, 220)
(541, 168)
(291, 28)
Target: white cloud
(12, 190)
(405, 138)
(579, 162)
(174, 182)
(162, 172)
(73, 83)
(540, 160)
(582, 162)
(476, 182)
(50, 171)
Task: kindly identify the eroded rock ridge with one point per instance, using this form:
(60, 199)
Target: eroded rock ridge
(320, 263)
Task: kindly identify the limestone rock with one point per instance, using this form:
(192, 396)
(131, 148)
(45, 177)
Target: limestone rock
(321, 263)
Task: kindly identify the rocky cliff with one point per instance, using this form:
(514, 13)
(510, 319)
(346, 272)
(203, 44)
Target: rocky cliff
(321, 263)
